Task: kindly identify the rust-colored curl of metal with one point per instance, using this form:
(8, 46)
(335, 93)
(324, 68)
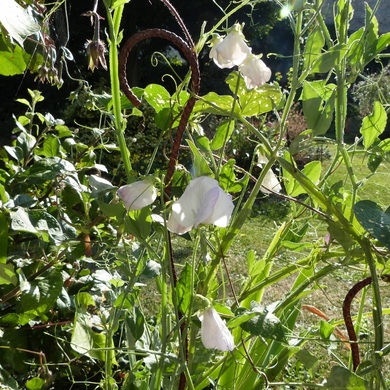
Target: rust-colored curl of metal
(191, 56)
(348, 319)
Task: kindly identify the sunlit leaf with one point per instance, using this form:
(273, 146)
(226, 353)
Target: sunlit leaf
(374, 220)
(342, 378)
(12, 63)
(373, 125)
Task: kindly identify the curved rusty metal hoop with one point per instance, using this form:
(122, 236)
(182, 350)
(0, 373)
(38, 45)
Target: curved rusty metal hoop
(191, 56)
(348, 319)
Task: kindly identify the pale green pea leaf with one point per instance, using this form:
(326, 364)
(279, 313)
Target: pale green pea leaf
(373, 125)
(309, 361)
(216, 104)
(371, 35)
(51, 147)
(250, 258)
(201, 167)
(222, 135)
(340, 20)
(232, 79)
(163, 119)
(12, 63)
(15, 152)
(326, 329)
(342, 378)
(374, 220)
(326, 61)
(35, 384)
(262, 323)
(84, 339)
(152, 269)
(228, 180)
(318, 105)
(112, 210)
(183, 291)
(203, 143)
(7, 380)
(139, 223)
(382, 42)
(3, 238)
(25, 102)
(157, 96)
(315, 42)
(136, 323)
(63, 131)
(118, 3)
(312, 171)
(260, 100)
(39, 295)
(7, 274)
(255, 101)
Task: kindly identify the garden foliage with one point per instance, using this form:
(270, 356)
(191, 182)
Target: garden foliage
(92, 292)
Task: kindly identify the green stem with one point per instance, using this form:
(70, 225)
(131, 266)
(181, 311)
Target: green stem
(119, 123)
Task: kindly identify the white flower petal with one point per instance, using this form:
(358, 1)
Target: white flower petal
(203, 202)
(138, 195)
(270, 182)
(208, 201)
(254, 71)
(214, 332)
(231, 50)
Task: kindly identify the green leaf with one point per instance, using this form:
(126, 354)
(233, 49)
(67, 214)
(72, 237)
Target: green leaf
(341, 378)
(326, 61)
(262, 323)
(7, 380)
(203, 143)
(228, 180)
(3, 238)
(35, 384)
(215, 104)
(136, 323)
(20, 221)
(309, 361)
(40, 295)
(200, 165)
(326, 329)
(12, 63)
(255, 101)
(18, 23)
(7, 274)
(84, 339)
(373, 125)
(374, 220)
(315, 42)
(152, 269)
(139, 223)
(46, 169)
(318, 105)
(157, 96)
(51, 147)
(312, 170)
(183, 292)
(222, 134)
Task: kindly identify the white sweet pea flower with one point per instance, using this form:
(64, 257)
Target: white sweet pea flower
(270, 181)
(214, 332)
(203, 202)
(231, 50)
(254, 71)
(138, 195)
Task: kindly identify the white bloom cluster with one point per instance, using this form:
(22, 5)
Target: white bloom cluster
(232, 50)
